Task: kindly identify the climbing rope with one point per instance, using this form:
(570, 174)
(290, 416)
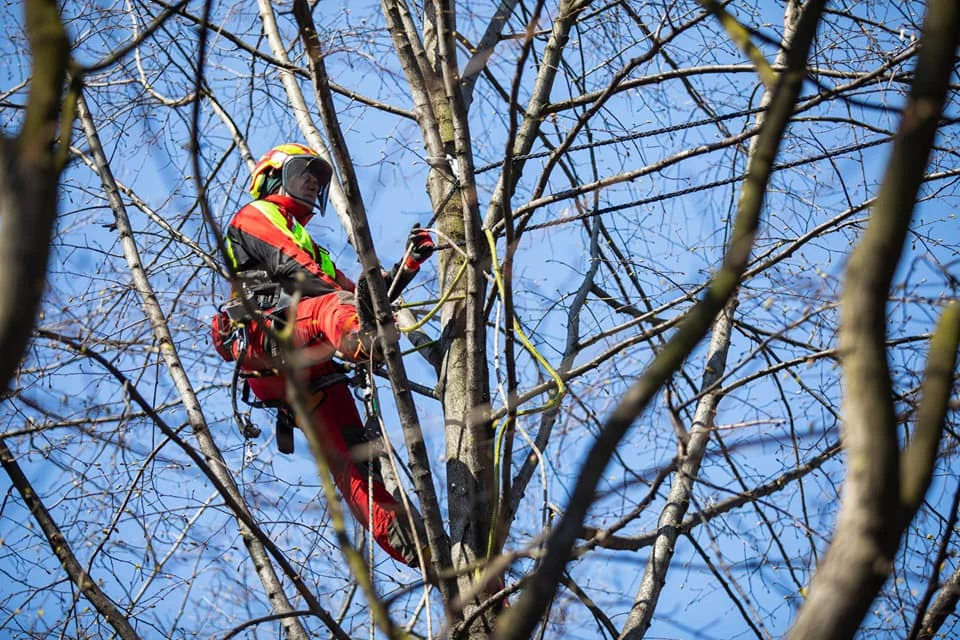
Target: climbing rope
(501, 428)
(374, 419)
(522, 337)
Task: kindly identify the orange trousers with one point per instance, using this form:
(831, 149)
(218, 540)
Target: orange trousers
(322, 324)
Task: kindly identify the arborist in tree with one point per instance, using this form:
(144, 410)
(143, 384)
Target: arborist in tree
(274, 258)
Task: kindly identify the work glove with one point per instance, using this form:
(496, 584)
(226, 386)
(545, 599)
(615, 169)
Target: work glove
(419, 247)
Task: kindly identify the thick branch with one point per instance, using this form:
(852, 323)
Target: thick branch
(30, 168)
(681, 490)
(521, 619)
(943, 606)
(472, 442)
(872, 517)
(918, 459)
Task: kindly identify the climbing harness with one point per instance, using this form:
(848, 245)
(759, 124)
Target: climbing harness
(264, 301)
(353, 375)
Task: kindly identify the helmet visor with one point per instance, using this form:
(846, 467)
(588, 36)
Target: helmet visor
(307, 179)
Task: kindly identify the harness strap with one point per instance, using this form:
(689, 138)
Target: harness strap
(284, 431)
(247, 429)
(285, 420)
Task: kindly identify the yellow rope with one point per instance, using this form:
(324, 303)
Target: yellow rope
(436, 308)
(501, 429)
(522, 337)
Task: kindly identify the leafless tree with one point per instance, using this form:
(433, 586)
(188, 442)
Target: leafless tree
(688, 349)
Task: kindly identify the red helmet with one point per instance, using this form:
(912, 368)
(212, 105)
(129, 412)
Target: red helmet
(298, 170)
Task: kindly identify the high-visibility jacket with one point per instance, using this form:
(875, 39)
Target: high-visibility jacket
(266, 234)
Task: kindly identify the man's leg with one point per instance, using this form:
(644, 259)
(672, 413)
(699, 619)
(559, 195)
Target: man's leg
(333, 318)
(340, 430)
(324, 324)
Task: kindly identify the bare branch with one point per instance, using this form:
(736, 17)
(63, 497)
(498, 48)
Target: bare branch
(30, 167)
(873, 513)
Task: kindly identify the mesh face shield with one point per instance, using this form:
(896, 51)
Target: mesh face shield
(307, 179)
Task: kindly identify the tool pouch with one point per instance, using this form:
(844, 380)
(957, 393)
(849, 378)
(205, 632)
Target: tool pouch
(285, 425)
(223, 334)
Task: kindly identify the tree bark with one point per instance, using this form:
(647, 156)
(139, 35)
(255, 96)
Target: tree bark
(30, 167)
(884, 488)
(944, 605)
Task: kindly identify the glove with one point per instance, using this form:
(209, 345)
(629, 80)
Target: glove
(419, 247)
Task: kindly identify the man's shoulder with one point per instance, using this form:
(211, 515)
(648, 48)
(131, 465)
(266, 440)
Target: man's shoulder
(257, 208)
(258, 205)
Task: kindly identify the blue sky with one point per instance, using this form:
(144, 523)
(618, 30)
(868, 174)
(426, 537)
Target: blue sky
(674, 245)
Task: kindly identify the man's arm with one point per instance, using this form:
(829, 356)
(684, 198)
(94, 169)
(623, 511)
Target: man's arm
(344, 282)
(418, 249)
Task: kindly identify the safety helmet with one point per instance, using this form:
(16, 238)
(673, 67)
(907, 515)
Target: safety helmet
(285, 166)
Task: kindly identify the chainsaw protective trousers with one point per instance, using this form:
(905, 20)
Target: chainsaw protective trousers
(323, 325)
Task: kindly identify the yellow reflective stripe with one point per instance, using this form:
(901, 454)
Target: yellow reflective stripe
(326, 263)
(231, 258)
(298, 234)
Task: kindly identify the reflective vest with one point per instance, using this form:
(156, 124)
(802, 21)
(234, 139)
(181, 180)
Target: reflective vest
(298, 234)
